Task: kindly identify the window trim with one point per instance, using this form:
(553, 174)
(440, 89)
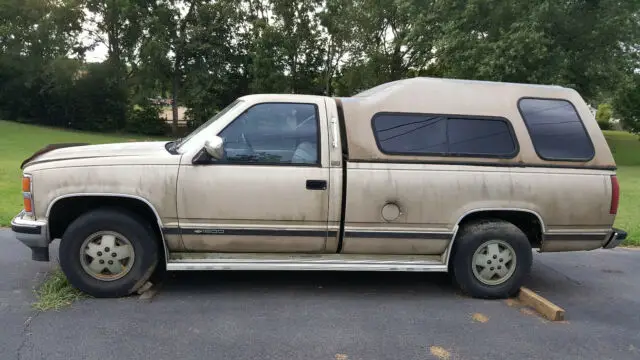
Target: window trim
(318, 162)
(514, 138)
(586, 132)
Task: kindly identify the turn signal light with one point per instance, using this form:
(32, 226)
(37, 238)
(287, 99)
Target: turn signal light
(28, 206)
(26, 194)
(26, 184)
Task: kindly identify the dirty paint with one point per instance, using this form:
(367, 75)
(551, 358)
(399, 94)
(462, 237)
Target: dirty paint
(440, 352)
(481, 318)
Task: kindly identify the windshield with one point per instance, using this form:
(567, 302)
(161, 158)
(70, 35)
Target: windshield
(209, 122)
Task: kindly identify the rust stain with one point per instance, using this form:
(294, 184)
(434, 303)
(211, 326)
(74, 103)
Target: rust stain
(481, 318)
(342, 357)
(440, 352)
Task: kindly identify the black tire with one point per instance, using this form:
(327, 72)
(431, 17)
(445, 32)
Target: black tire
(140, 235)
(470, 238)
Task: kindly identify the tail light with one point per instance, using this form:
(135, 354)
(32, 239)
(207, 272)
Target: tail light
(615, 195)
(27, 194)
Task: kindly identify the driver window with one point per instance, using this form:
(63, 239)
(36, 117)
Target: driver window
(273, 133)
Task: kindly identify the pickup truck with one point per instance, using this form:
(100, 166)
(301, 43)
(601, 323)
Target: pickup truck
(421, 174)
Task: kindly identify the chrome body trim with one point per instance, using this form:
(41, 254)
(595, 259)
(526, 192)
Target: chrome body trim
(447, 255)
(306, 262)
(32, 233)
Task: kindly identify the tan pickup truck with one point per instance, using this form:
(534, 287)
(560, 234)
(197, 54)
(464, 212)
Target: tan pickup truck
(414, 175)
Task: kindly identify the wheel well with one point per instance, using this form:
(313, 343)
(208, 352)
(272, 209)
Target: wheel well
(65, 211)
(528, 222)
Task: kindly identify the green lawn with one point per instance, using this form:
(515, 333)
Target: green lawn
(626, 150)
(19, 141)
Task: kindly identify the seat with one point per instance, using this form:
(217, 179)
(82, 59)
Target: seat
(305, 153)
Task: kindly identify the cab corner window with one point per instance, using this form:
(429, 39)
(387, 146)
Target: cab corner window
(556, 130)
(274, 133)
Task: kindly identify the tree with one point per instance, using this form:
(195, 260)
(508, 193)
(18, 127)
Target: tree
(338, 36)
(118, 24)
(581, 44)
(627, 105)
(604, 112)
(36, 39)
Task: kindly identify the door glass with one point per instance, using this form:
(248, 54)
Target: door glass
(273, 133)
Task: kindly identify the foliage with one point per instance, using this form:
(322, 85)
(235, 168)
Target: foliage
(204, 54)
(145, 119)
(604, 112)
(603, 116)
(627, 105)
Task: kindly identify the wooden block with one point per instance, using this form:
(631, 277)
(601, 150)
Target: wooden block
(543, 306)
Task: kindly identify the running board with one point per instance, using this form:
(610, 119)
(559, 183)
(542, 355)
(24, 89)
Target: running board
(322, 262)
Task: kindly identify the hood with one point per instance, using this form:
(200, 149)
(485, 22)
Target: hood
(60, 152)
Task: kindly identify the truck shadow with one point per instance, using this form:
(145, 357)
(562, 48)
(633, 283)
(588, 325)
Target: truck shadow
(194, 282)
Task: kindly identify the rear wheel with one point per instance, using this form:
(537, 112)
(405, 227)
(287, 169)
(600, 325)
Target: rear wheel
(491, 259)
(108, 253)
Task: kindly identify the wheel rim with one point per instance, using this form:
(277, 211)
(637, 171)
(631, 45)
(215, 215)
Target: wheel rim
(494, 262)
(107, 255)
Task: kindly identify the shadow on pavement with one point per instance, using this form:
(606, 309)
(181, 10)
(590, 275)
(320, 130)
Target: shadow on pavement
(191, 282)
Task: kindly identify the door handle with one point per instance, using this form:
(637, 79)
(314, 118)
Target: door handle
(316, 185)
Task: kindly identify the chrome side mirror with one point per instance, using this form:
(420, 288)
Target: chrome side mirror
(215, 147)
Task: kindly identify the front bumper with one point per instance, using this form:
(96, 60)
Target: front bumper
(32, 233)
(616, 237)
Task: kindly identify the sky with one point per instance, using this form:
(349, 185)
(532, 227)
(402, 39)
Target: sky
(98, 54)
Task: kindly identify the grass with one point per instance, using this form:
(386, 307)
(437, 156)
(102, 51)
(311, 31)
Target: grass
(625, 147)
(18, 142)
(626, 150)
(56, 292)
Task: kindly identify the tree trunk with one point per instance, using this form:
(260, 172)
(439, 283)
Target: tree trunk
(329, 70)
(174, 101)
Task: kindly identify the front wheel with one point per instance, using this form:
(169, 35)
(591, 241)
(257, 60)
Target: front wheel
(491, 259)
(108, 253)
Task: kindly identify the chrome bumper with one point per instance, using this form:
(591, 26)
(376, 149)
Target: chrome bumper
(32, 233)
(617, 236)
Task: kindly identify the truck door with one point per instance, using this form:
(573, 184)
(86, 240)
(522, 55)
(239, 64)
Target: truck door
(270, 193)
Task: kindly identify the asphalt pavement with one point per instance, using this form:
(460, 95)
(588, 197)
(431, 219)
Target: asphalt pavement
(329, 315)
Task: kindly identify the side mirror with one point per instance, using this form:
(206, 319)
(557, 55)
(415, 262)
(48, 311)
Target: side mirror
(215, 147)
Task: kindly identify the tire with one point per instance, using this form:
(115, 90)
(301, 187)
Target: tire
(479, 240)
(131, 236)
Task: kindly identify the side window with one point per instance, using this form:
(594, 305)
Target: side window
(273, 133)
(556, 130)
(409, 133)
(480, 137)
(443, 135)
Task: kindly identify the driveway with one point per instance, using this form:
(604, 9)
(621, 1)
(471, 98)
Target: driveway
(327, 315)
